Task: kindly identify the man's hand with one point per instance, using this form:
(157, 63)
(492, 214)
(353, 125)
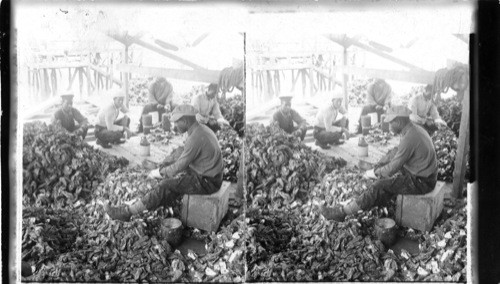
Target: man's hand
(222, 122)
(370, 174)
(378, 107)
(200, 118)
(440, 123)
(159, 106)
(167, 107)
(155, 174)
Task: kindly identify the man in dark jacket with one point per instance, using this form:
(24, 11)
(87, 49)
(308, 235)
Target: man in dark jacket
(201, 161)
(411, 169)
(67, 115)
(285, 117)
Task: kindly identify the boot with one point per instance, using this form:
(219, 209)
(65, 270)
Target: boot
(351, 208)
(121, 212)
(335, 213)
(137, 207)
(323, 146)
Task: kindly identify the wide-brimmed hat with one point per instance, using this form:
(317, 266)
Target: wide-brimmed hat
(395, 111)
(183, 110)
(285, 97)
(118, 94)
(338, 94)
(67, 96)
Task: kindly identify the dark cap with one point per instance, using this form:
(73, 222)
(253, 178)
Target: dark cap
(67, 96)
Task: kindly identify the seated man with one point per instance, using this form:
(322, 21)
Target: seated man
(378, 99)
(201, 161)
(424, 111)
(285, 117)
(208, 109)
(414, 160)
(159, 99)
(108, 129)
(331, 122)
(66, 116)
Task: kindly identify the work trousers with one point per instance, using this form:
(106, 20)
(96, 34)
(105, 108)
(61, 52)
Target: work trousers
(109, 136)
(152, 107)
(328, 137)
(171, 190)
(366, 110)
(384, 190)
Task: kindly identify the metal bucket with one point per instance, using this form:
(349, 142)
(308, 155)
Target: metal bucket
(385, 231)
(363, 151)
(144, 150)
(171, 231)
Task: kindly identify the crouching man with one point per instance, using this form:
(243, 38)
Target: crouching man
(411, 169)
(201, 163)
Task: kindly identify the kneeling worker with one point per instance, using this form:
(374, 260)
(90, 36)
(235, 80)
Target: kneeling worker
(285, 117)
(201, 160)
(66, 116)
(208, 109)
(108, 129)
(331, 122)
(415, 160)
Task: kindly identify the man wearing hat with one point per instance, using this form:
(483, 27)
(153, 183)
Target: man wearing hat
(201, 163)
(66, 116)
(208, 108)
(108, 128)
(159, 99)
(285, 117)
(424, 111)
(331, 122)
(378, 99)
(410, 169)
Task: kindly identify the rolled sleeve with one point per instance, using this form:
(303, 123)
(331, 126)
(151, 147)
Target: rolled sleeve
(402, 155)
(434, 113)
(187, 156)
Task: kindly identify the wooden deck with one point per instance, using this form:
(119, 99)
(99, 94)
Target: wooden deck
(131, 149)
(349, 151)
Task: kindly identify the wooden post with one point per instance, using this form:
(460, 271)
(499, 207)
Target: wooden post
(311, 81)
(125, 76)
(303, 72)
(80, 80)
(346, 79)
(89, 81)
(462, 148)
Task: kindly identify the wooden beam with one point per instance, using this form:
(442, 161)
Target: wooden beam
(346, 42)
(345, 80)
(57, 65)
(125, 76)
(107, 75)
(420, 77)
(462, 148)
(383, 54)
(281, 67)
(328, 76)
(208, 76)
(166, 53)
